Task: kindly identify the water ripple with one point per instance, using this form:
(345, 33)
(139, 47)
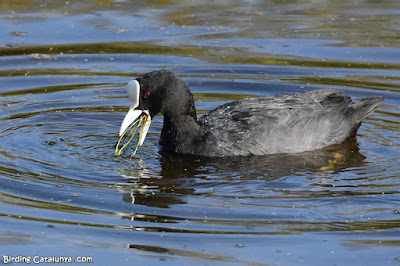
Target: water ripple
(62, 104)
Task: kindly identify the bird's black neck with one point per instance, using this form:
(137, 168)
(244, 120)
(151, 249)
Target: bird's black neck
(180, 133)
(181, 130)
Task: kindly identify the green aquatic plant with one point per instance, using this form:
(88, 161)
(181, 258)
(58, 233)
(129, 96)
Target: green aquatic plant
(143, 121)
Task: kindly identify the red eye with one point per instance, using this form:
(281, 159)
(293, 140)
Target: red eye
(147, 95)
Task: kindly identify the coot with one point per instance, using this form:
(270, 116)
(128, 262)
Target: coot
(253, 126)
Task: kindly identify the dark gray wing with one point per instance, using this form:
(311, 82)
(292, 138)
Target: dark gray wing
(284, 123)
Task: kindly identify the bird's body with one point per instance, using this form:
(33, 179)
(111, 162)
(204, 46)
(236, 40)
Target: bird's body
(253, 126)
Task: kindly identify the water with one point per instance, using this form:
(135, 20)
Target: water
(63, 70)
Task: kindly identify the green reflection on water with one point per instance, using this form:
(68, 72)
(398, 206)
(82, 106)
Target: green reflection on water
(212, 54)
(103, 48)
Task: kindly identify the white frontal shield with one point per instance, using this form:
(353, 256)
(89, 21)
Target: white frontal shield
(133, 89)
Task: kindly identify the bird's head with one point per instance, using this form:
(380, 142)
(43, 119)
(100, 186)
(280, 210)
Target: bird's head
(153, 93)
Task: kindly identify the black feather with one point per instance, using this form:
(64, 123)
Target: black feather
(254, 126)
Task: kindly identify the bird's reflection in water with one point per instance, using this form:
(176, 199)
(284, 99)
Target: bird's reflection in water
(179, 172)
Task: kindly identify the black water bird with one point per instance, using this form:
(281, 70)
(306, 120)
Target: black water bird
(289, 123)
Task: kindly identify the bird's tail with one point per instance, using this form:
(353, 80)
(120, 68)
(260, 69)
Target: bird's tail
(365, 106)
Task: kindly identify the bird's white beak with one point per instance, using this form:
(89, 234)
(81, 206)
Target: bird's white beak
(133, 90)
